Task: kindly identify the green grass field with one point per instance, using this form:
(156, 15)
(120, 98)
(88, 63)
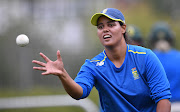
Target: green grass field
(46, 109)
(45, 91)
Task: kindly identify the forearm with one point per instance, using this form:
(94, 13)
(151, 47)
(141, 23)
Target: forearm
(71, 87)
(163, 106)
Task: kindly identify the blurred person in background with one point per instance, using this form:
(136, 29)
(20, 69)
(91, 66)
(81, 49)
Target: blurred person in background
(162, 41)
(128, 78)
(134, 35)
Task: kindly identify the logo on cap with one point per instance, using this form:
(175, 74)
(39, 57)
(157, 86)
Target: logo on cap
(104, 11)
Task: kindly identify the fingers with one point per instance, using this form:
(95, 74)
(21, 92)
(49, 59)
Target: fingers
(40, 68)
(59, 56)
(45, 73)
(39, 63)
(45, 57)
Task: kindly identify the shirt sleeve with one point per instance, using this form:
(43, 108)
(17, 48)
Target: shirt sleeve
(85, 79)
(156, 78)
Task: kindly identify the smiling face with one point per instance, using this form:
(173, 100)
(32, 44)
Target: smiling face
(110, 32)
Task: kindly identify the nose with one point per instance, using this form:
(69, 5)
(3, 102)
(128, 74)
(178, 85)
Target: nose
(105, 29)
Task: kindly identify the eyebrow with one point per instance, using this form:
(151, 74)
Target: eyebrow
(111, 21)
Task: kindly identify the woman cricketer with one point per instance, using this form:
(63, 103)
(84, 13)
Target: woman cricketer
(128, 78)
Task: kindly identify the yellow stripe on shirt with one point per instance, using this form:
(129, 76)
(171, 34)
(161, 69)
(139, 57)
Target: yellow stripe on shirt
(135, 51)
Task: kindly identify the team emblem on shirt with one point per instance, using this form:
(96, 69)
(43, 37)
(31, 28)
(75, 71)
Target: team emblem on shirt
(135, 73)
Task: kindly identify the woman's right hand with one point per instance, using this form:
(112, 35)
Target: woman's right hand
(51, 67)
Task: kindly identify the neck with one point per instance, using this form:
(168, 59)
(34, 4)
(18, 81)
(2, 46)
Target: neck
(117, 54)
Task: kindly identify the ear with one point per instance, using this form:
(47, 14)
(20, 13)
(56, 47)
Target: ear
(123, 28)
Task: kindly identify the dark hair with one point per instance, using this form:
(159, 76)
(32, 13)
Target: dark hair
(125, 34)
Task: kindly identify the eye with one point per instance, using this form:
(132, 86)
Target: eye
(100, 26)
(111, 25)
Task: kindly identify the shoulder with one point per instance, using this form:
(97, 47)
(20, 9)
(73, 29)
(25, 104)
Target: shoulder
(98, 59)
(101, 56)
(141, 55)
(174, 54)
(175, 51)
(169, 54)
(138, 50)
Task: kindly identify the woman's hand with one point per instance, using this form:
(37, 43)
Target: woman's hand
(51, 67)
(57, 68)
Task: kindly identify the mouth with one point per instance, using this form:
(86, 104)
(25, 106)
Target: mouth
(107, 36)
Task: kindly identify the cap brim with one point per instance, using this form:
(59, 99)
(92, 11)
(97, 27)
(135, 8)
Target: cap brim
(96, 16)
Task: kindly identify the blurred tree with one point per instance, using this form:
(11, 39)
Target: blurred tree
(168, 7)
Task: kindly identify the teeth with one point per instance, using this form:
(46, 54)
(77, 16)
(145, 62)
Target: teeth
(107, 36)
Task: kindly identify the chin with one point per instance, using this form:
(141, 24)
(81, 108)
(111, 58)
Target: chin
(108, 45)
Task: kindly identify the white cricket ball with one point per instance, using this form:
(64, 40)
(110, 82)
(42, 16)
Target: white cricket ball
(22, 40)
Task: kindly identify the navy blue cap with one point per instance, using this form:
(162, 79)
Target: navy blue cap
(111, 13)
